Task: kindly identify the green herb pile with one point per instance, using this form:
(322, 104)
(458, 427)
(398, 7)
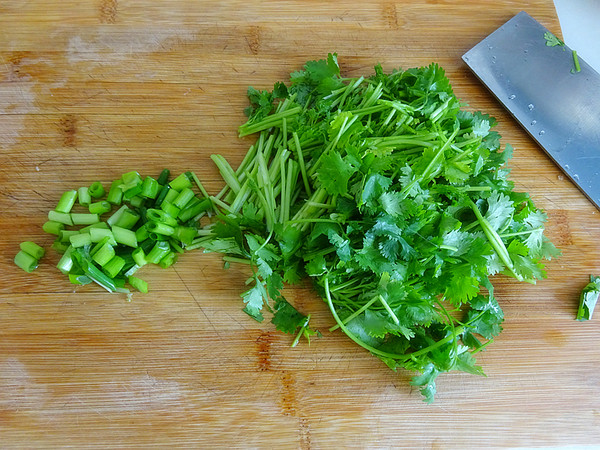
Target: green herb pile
(393, 200)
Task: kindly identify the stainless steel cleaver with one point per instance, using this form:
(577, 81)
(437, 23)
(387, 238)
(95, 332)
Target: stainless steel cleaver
(539, 85)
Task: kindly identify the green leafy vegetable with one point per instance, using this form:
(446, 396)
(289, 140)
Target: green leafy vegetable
(552, 40)
(394, 201)
(588, 299)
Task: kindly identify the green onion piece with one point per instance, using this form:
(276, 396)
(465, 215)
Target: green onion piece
(132, 192)
(65, 235)
(185, 234)
(161, 195)
(137, 201)
(100, 207)
(163, 178)
(127, 219)
(66, 202)
(56, 216)
(138, 283)
(104, 254)
(93, 272)
(84, 218)
(141, 234)
(170, 209)
(79, 278)
(116, 215)
(97, 234)
(158, 215)
(25, 261)
(192, 211)
(160, 228)
(168, 260)
(130, 179)
(124, 236)
(172, 194)
(96, 190)
(80, 239)
(181, 182)
(115, 193)
(139, 257)
(59, 246)
(114, 266)
(158, 252)
(52, 227)
(102, 225)
(83, 194)
(65, 263)
(32, 248)
(184, 198)
(150, 188)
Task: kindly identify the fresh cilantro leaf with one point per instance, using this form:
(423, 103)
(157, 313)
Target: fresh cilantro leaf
(588, 299)
(552, 40)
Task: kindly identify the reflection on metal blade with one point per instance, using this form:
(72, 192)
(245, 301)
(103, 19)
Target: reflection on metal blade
(559, 107)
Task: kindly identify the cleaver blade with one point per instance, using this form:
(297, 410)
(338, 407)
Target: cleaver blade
(538, 85)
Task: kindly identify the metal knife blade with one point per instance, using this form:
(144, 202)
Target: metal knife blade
(537, 84)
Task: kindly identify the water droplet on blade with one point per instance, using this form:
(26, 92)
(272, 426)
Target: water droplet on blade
(512, 97)
(533, 122)
(530, 106)
(542, 132)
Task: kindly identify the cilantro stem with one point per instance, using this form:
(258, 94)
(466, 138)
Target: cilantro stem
(356, 313)
(301, 332)
(268, 122)
(301, 162)
(520, 233)
(388, 309)
(495, 240)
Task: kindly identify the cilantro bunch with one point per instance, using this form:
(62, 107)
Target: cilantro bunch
(393, 200)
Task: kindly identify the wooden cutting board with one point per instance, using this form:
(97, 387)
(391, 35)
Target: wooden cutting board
(92, 89)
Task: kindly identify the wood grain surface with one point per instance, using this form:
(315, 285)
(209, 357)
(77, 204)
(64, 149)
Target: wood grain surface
(92, 89)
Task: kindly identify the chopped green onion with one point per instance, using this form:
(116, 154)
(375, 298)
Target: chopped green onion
(53, 227)
(97, 234)
(104, 254)
(163, 177)
(158, 215)
(124, 236)
(139, 256)
(84, 218)
(158, 252)
(141, 234)
(160, 228)
(33, 249)
(185, 234)
(162, 194)
(80, 239)
(183, 198)
(83, 194)
(100, 207)
(96, 189)
(65, 263)
(102, 225)
(170, 209)
(168, 260)
(150, 188)
(115, 194)
(181, 182)
(59, 247)
(194, 209)
(114, 266)
(138, 283)
(25, 261)
(127, 219)
(57, 216)
(79, 278)
(93, 272)
(65, 235)
(66, 202)
(172, 194)
(137, 201)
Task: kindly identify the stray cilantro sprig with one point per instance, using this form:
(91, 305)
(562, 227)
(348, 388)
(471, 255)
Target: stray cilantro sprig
(552, 40)
(393, 200)
(588, 299)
